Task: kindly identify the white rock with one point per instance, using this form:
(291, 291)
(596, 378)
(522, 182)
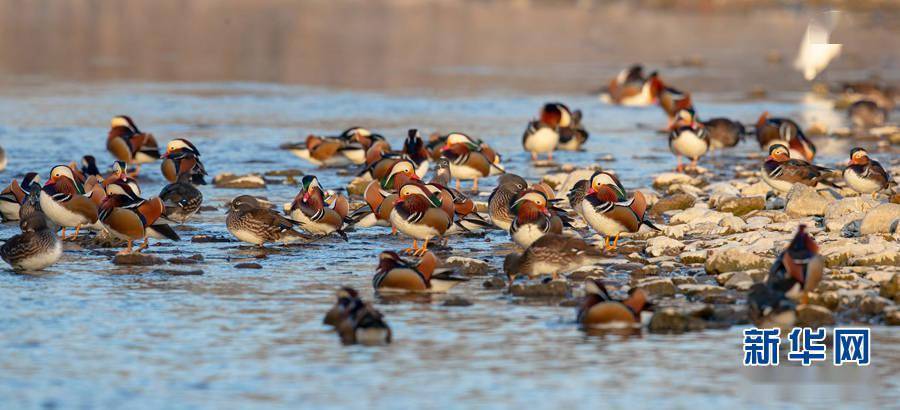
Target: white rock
(805, 201)
(757, 222)
(881, 219)
(670, 178)
(662, 245)
(733, 224)
(733, 259)
(758, 189)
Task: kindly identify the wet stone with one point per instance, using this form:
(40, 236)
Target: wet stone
(292, 172)
(177, 272)
(186, 260)
(873, 305)
(138, 259)
(672, 320)
(657, 287)
(494, 282)
(891, 288)
(555, 288)
(803, 200)
(209, 239)
(457, 301)
(892, 317)
(467, 266)
(248, 265)
(232, 181)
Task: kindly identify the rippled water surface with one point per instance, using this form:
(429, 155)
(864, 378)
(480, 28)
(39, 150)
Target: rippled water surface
(89, 334)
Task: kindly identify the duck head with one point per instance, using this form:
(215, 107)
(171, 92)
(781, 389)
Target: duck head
(310, 186)
(243, 203)
(779, 153)
(531, 202)
(180, 145)
(63, 179)
(417, 197)
(124, 121)
(401, 172)
(859, 156)
(606, 184)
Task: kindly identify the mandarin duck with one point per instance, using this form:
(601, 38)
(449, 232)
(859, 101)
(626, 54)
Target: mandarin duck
(418, 213)
(249, 222)
(129, 217)
(395, 273)
(35, 248)
(552, 254)
(784, 131)
(605, 209)
(598, 308)
(865, 175)
(128, 144)
(62, 200)
(781, 171)
(317, 212)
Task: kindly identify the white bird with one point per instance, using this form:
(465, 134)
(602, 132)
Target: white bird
(815, 50)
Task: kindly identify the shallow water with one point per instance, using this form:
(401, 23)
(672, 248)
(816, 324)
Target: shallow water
(88, 334)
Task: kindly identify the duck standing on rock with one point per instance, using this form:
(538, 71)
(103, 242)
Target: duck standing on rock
(784, 131)
(315, 213)
(552, 254)
(127, 143)
(865, 175)
(35, 248)
(181, 198)
(394, 273)
(418, 214)
(249, 222)
(62, 200)
(470, 159)
(599, 309)
(688, 139)
(605, 209)
(781, 172)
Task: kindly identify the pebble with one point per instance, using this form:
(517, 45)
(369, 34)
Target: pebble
(186, 260)
(662, 245)
(664, 180)
(555, 288)
(178, 272)
(891, 288)
(814, 316)
(732, 259)
(457, 301)
(248, 265)
(679, 201)
(672, 320)
(138, 259)
(467, 266)
(232, 181)
(657, 287)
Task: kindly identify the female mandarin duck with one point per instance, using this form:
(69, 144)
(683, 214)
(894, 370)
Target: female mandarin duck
(784, 131)
(64, 203)
(418, 214)
(781, 171)
(533, 218)
(250, 222)
(800, 263)
(605, 209)
(865, 175)
(127, 143)
(598, 308)
(130, 217)
(470, 159)
(552, 254)
(181, 198)
(35, 248)
(395, 273)
(509, 186)
(312, 209)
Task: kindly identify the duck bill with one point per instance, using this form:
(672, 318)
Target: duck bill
(591, 191)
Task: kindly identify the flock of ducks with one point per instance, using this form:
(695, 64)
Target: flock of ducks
(401, 196)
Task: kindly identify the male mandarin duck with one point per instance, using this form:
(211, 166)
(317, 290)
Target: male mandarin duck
(418, 214)
(94, 189)
(533, 218)
(120, 174)
(128, 144)
(605, 209)
(800, 263)
(688, 138)
(509, 186)
(181, 198)
(454, 201)
(338, 312)
(784, 131)
(89, 166)
(630, 87)
(315, 213)
(359, 141)
(249, 222)
(15, 194)
(348, 148)
(865, 175)
(470, 159)
(35, 248)
(781, 171)
(62, 200)
(598, 308)
(552, 254)
(395, 273)
(381, 194)
(179, 150)
(129, 217)
(542, 135)
(670, 99)
(380, 158)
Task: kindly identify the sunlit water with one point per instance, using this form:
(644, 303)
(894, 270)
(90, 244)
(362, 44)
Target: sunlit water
(88, 334)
